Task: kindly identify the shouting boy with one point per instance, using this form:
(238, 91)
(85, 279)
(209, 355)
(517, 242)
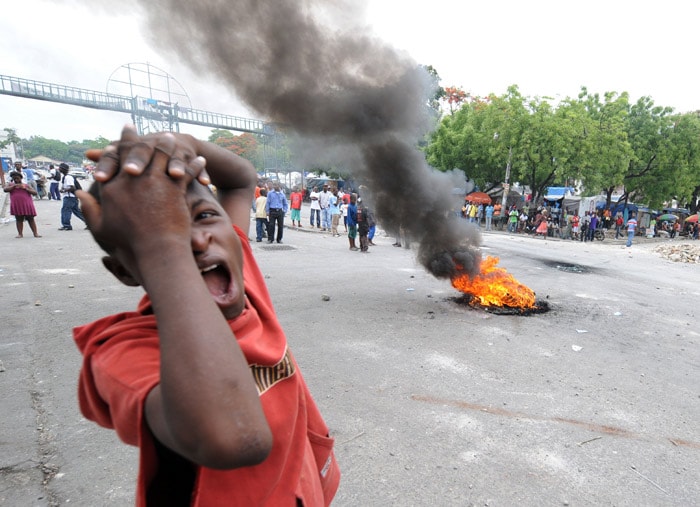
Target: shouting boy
(199, 376)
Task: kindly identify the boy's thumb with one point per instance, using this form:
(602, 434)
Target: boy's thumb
(94, 154)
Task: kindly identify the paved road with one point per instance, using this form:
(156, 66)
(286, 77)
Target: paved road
(593, 403)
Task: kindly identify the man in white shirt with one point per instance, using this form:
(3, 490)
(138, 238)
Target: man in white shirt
(324, 200)
(71, 206)
(55, 176)
(315, 207)
(631, 228)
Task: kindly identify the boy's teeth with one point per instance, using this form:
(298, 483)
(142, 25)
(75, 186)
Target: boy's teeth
(209, 268)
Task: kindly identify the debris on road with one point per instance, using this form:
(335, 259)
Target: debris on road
(683, 252)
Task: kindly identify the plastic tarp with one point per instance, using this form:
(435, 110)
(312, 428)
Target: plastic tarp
(558, 193)
(624, 208)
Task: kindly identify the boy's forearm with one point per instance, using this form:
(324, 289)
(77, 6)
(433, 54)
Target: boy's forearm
(227, 170)
(206, 407)
(235, 180)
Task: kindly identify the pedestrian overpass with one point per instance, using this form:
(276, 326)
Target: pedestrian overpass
(147, 113)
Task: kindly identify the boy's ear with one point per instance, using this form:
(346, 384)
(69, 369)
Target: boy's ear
(119, 271)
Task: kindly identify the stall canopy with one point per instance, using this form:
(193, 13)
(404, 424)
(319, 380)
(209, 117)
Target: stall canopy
(558, 193)
(620, 208)
(478, 198)
(563, 198)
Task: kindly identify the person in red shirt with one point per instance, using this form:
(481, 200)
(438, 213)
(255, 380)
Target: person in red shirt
(200, 376)
(619, 222)
(295, 200)
(575, 227)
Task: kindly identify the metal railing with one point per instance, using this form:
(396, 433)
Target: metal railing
(138, 107)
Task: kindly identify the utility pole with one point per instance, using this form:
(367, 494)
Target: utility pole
(506, 185)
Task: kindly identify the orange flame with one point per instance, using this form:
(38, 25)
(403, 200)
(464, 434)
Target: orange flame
(495, 287)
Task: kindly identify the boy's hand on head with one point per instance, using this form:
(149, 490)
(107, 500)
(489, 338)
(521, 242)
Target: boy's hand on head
(234, 177)
(133, 153)
(142, 213)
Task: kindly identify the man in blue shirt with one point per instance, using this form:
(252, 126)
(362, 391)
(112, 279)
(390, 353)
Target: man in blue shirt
(31, 178)
(352, 222)
(276, 208)
(489, 216)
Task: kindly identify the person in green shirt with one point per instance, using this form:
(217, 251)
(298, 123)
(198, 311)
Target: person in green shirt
(513, 220)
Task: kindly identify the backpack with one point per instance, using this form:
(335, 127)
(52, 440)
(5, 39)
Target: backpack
(76, 183)
(57, 175)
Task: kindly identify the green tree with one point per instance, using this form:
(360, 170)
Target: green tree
(439, 93)
(77, 149)
(98, 143)
(649, 178)
(680, 169)
(478, 137)
(605, 150)
(601, 142)
(13, 138)
(500, 132)
(452, 143)
(542, 150)
(72, 152)
(53, 148)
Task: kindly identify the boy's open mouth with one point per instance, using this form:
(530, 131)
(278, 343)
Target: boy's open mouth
(218, 281)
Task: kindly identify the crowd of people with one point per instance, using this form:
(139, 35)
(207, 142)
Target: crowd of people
(45, 183)
(332, 206)
(24, 187)
(329, 208)
(552, 221)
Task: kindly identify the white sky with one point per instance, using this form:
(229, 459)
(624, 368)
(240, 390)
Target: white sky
(547, 48)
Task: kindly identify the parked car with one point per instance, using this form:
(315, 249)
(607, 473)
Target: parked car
(78, 172)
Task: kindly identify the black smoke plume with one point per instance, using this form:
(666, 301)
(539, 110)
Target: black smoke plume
(354, 101)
